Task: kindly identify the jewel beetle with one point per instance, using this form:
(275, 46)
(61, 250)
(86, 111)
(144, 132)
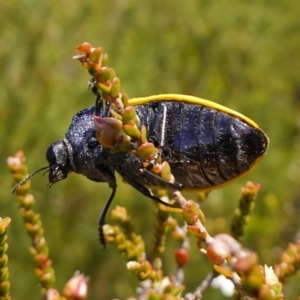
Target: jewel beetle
(206, 144)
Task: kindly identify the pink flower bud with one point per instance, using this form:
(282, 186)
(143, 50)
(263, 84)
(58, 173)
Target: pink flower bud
(77, 287)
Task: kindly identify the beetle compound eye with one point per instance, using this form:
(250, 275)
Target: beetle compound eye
(92, 142)
(50, 155)
(58, 153)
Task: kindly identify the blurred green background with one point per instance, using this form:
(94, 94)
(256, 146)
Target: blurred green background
(242, 54)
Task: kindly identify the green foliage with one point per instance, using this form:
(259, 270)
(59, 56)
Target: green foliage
(244, 55)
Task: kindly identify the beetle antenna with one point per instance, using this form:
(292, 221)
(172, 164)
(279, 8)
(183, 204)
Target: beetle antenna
(101, 221)
(27, 177)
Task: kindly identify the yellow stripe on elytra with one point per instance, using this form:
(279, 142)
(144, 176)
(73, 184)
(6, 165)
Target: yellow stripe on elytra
(191, 100)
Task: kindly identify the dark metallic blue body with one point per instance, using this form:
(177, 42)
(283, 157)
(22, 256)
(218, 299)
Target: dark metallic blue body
(204, 147)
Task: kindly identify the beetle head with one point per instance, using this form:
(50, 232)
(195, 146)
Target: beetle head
(59, 163)
(58, 168)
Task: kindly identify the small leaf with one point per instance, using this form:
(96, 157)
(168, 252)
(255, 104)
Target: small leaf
(115, 87)
(84, 48)
(4, 223)
(93, 67)
(128, 115)
(195, 230)
(96, 54)
(103, 87)
(125, 99)
(144, 135)
(222, 271)
(105, 75)
(147, 151)
(132, 131)
(166, 173)
(107, 130)
(191, 212)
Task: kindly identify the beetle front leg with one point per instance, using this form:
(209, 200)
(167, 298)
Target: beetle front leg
(101, 221)
(174, 185)
(145, 191)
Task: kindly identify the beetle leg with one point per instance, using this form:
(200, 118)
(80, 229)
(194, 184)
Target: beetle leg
(146, 192)
(147, 171)
(101, 221)
(98, 104)
(175, 185)
(92, 86)
(102, 108)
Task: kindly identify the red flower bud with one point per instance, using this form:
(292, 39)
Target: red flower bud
(181, 256)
